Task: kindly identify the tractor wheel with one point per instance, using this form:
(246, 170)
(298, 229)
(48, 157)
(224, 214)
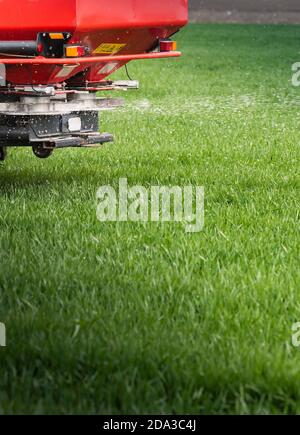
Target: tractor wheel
(42, 152)
(3, 154)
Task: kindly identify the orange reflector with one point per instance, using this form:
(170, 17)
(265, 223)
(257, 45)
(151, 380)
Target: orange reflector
(56, 35)
(74, 51)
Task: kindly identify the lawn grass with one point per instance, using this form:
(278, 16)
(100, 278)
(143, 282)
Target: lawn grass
(131, 318)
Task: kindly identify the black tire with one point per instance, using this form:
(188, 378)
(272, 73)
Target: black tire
(3, 154)
(41, 152)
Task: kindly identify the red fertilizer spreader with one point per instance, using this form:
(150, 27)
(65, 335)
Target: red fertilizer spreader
(56, 55)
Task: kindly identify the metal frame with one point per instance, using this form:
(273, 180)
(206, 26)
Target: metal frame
(43, 122)
(39, 60)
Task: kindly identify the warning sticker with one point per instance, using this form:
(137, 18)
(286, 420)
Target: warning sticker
(109, 48)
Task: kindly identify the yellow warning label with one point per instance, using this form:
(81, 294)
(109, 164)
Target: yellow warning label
(109, 48)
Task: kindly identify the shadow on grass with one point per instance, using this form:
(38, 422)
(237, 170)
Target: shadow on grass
(22, 178)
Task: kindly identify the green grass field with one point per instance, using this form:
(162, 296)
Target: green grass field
(144, 318)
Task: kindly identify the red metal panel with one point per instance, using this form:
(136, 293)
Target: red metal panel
(121, 14)
(22, 19)
(137, 24)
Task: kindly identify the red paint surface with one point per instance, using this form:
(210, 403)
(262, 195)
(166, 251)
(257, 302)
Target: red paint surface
(136, 23)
